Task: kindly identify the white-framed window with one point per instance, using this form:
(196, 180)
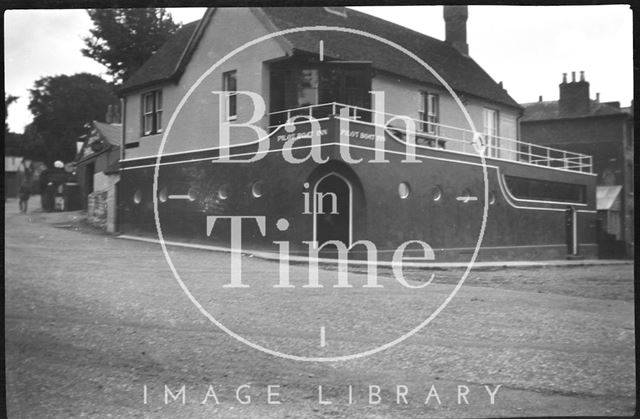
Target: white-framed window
(152, 112)
(230, 86)
(429, 113)
(491, 121)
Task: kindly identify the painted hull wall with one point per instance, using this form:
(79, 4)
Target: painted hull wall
(514, 229)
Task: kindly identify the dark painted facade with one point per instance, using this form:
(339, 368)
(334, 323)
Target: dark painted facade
(434, 211)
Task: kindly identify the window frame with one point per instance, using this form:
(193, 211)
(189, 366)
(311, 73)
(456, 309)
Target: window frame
(429, 113)
(492, 139)
(231, 96)
(153, 115)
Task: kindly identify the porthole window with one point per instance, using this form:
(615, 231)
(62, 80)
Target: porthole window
(163, 195)
(137, 197)
(492, 198)
(257, 189)
(404, 190)
(223, 191)
(192, 194)
(436, 193)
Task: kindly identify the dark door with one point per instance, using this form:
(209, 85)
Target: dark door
(333, 210)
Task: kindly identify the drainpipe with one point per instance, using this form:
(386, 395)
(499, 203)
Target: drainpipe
(123, 113)
(123, 142)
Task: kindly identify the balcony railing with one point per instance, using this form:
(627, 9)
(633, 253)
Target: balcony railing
(440, 136)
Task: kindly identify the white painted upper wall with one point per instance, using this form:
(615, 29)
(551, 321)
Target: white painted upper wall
(196, 126)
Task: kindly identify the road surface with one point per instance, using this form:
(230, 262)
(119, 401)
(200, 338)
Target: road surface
(97, 326)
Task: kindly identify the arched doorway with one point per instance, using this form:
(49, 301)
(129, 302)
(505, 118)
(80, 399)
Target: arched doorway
(333, 209)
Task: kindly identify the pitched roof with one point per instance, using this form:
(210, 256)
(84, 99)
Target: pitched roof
(106, 137)
(545, 110)
(112, 133)
(164, 63)
(461, 72)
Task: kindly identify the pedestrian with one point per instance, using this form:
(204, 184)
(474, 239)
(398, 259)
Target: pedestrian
(23, 194)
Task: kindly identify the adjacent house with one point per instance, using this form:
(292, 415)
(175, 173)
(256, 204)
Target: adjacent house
(581, 124)
(412, 171)
(97, 172)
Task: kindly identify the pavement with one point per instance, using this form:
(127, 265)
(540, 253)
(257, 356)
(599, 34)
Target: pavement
(96, 326)
(494, 264)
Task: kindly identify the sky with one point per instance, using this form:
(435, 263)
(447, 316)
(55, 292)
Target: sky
(526, 47)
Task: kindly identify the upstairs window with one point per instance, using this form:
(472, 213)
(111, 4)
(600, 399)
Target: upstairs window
(152, 112)
(492, 140)
(230, 85)
(429, 113)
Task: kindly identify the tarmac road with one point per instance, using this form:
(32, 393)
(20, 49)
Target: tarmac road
(91, 321)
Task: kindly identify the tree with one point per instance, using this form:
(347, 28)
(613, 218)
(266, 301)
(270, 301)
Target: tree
(123, 39)
(61, 106)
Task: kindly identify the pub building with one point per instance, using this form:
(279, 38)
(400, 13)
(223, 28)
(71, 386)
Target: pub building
(321, 86)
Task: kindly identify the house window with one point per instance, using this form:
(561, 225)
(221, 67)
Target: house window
(152, 112)
(230, 85)
(491, 132)
(429, 113)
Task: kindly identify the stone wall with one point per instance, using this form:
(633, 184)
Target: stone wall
(101, 209)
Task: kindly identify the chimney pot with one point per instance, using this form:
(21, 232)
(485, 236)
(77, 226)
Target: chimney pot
(573, 77)
(598, 97)
(564, 77)
(540, 98)
(582, 76)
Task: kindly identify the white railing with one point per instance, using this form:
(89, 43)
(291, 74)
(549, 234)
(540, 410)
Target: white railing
(441, 136)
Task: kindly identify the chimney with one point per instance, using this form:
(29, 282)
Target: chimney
(598, 97)
(540, 98)
(113, 115)
(108, 118)
(574, 96)
(455, 19)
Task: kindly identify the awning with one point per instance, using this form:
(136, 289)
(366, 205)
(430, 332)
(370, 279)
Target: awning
(608, 198)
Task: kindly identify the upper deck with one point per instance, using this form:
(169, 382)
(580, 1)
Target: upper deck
(438, 136)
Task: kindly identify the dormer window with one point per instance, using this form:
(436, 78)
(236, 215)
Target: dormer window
(339, 11)
(152, 112)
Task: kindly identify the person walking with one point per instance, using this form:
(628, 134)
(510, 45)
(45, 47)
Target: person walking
(23, 194)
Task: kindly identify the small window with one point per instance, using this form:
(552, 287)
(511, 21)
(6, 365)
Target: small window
(137, 197)
(436, 193)
(163, 195)
(429, 113)
(491, 139)
(192, 194)
(230, 85)
(492, 198)
(404, 190)
(223, 192)
(152, 112)
(256, 189)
